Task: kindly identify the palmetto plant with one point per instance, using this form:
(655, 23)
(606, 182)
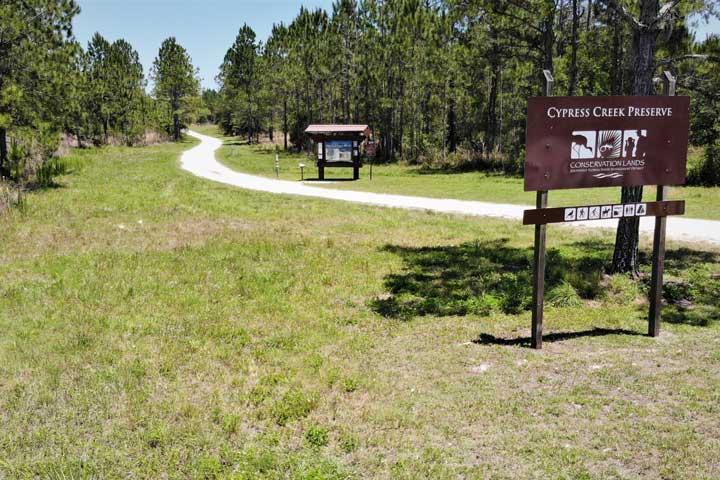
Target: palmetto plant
(610, 143)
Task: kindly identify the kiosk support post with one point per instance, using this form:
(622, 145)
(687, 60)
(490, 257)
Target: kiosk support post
(321, 164)
(658, 257)
(539, 255)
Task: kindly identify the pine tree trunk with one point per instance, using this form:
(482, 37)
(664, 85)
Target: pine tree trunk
(285, 124)
(176, 127)
(400, 121)
(589, 14)
(572, 82)
(491, 120)
(3, 151)
(346, 97)
(452, 140)
(625, 257)
(548, 39)
(616, 72)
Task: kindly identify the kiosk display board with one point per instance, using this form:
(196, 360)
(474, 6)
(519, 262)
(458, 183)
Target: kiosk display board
(339, 151)
(582, 142)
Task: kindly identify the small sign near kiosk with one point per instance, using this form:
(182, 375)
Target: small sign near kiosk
(586, 142)
(338, 146)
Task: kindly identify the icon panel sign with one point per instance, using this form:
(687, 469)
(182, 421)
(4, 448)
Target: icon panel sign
(597, 212)
(603, 212)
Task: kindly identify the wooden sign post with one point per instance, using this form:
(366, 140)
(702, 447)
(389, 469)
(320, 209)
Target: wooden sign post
(541, 200)
(584, 142)
(658, 258)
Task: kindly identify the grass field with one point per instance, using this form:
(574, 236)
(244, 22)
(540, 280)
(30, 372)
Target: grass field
(156, 325)
(394, 178)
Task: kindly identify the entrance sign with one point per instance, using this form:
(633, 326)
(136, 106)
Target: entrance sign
(579, 142)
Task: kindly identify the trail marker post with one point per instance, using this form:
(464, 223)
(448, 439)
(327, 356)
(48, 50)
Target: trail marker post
(370, 152)
(584, 142)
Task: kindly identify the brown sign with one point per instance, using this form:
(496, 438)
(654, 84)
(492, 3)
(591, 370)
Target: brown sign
(581, 142)
(542, 216)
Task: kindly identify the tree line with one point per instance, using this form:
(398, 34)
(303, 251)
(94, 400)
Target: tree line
(450, 78)
(50, 85)
(441, 82)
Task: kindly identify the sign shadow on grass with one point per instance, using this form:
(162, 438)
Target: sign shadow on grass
(492, 276)
(487, 339)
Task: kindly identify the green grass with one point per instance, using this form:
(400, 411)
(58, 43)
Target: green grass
(158, 325)
(702, 202)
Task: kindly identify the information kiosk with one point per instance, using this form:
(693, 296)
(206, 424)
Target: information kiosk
(338, 146)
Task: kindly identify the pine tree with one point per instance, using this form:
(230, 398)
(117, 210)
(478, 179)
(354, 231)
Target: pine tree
(243, 87)
(175, 80)
(36, 52)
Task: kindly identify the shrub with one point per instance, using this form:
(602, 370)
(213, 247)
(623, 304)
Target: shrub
(293, 405)
(317, 436)
(620, 289)
(230, 423)
(708, 172)
(349, 442)
(10, 197)
(564, 295)
(676, 290)
(31, 157)
(350, 384)
(484, 304)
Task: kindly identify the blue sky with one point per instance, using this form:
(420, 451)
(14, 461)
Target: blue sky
(206, 28)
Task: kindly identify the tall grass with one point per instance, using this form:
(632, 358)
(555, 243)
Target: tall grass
(10, 197)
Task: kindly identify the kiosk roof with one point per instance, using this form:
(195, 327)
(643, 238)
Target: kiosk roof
(330, 129)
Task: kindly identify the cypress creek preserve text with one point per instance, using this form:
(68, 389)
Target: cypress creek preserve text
(604, 112)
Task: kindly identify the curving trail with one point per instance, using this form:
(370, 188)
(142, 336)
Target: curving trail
(201, 161)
